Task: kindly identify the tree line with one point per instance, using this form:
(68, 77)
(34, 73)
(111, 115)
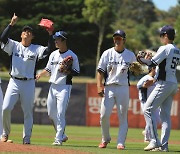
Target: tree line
(90, 25)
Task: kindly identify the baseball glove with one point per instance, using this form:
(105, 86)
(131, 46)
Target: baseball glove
(66, 65)
(141, 54)
(47, 24)
(136, 68)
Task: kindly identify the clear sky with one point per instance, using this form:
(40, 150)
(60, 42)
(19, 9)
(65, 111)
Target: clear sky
(165, 4)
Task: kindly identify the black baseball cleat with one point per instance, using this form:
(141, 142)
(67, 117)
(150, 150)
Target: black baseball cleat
(65, 139)
(26, 140)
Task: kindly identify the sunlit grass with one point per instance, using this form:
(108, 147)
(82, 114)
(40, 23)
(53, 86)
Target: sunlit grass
(87, 139)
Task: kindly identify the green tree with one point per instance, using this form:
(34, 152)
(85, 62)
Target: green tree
(177, 28)
(137, 38)
(135, 18)
(99, 12)
(66, 14)
(153, 33)
(141, 11)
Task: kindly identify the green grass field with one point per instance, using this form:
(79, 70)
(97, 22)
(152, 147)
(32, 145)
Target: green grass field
(86, 139)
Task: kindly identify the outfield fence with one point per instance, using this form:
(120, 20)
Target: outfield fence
(84, 107)
(135, 114)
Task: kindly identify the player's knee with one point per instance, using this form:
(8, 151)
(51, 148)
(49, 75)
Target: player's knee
(61, 116)
(104, 117)
(51, 116)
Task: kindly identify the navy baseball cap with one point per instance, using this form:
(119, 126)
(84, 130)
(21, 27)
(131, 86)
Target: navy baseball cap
(169, 30)
(60, 34)
(27, 28)
(120, 33)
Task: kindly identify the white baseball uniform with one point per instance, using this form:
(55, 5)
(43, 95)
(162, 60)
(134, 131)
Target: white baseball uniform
(144, 92)
(21, 84)
(166, 59)
(1, 103)
(60, 89)
(143, 95)
(115, 66)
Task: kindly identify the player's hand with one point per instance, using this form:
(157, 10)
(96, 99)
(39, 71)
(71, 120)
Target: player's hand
(14, 20)
(100, 90)
(38, 77)
(48, 25)
(50, 31)
(148, 83)
(148, 55)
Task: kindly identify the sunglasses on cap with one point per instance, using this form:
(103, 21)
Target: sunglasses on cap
(162, 34)
(60, 34)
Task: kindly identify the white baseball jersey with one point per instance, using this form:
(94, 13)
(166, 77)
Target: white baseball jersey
(53, 66)
(116, 66)
(144, 92)
(23, 58)
(167, 59)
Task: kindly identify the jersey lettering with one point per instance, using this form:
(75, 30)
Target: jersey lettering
(123, 70)
(31, 57)
(114, 63)
(54, 63)
(175, 62)
(18, 55)
(177, 52)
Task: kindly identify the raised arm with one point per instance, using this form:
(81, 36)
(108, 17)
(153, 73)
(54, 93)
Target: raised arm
(51, 45)
(5, 33)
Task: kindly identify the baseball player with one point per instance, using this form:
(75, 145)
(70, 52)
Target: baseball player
(145, 87)
(24, 56)
(114, 68)
(166, 61)
(61, 84)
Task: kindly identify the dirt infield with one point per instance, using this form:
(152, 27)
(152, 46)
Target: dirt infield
(13, 147)
(37, 149)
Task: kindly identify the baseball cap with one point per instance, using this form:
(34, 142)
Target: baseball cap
(27, 28)
(120, 33)
(169, 30)
(60, 34)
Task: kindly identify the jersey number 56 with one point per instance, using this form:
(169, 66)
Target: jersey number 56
(175, 62)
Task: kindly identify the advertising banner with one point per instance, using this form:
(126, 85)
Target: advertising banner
(135, 114)
(75, 114)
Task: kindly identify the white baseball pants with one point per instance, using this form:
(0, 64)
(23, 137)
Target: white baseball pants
(25, 91)
(157, 120)
(57, 102)
(161, 96)
(119, 95)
